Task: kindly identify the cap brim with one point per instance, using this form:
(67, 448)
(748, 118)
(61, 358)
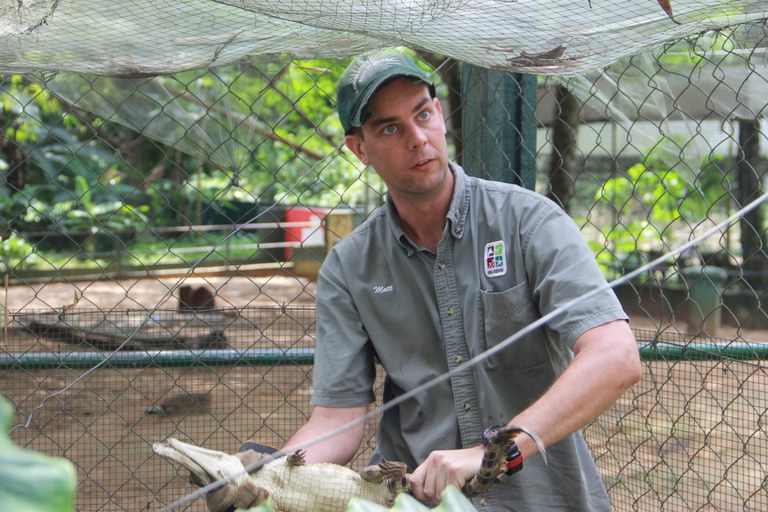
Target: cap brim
(356, 119)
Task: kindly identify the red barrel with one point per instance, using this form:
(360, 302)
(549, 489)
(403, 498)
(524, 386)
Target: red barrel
(311, 232)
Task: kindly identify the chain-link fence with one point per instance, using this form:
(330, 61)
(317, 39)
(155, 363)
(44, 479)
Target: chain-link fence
(161, 234)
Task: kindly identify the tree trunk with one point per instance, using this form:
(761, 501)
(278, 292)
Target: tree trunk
(563, 168)
(16, 175)
(755, 262)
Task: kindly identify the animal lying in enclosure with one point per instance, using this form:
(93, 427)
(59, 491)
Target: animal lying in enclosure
(293, 486)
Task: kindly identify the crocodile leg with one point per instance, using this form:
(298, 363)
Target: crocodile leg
(296, 458)
(391, 474)
(385, 470)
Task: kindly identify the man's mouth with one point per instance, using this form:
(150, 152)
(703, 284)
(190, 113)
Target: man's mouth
(422, 164)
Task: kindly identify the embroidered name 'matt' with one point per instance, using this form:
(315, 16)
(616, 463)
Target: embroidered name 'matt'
(383, 288)
(495, 259)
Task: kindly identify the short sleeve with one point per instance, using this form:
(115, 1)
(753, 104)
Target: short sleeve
(344, 370)
(561, 270)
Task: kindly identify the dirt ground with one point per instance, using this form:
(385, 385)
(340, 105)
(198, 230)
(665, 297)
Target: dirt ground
(242, 292)
(655, 447)
(160, 293)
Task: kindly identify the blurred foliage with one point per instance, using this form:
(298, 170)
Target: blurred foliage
(265, 132)
(31, 481)
(253, 132)
(94, 172)
(653, 210)
(65, 177)
(16, 253)
(451, 500)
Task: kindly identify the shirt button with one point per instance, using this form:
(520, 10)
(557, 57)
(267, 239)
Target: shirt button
(441, 266)
(458, 359)
(483, 501)
(458, 229)
(467, 406)
(450, 311)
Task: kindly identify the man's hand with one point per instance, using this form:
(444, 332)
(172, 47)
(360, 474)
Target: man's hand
(443, 468)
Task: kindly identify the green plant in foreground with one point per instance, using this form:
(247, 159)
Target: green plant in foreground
(451, 501)
(31, 481)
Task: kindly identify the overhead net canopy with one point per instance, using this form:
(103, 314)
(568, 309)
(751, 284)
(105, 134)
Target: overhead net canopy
(144, 37)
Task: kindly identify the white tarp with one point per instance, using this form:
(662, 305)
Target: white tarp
(143, 37)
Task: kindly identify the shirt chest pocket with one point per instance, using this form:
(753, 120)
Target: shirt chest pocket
(504, 314)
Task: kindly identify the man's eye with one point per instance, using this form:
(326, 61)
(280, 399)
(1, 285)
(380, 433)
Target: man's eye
(388, 130)
(424, 115)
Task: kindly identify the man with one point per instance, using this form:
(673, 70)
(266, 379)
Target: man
(449, 267)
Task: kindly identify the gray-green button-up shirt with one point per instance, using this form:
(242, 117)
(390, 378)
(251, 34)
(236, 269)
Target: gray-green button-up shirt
(507, 257)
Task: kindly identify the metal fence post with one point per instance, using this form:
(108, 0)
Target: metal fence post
(499, 125)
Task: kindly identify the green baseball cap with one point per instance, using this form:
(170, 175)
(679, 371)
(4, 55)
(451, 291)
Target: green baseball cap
(365, 75)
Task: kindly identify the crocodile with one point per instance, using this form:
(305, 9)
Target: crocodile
(293, 486)
(288, 482)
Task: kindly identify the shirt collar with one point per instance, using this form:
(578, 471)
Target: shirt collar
(457, 213)
(456, 216)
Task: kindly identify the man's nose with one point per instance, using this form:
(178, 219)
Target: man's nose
(417, 137)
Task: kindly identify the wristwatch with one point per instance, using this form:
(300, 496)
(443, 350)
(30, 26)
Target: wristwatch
(514, 461)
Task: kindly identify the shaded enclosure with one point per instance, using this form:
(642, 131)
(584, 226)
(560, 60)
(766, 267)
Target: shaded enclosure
(170, 191)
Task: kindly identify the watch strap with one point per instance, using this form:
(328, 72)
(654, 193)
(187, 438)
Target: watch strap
(514, 459)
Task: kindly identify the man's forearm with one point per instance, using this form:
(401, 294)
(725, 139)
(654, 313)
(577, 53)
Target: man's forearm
(340, 448)
(607, 363)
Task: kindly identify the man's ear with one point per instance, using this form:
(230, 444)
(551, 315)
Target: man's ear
(356, 144)
(439, 109)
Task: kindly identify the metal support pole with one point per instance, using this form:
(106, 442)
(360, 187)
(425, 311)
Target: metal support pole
(650, 350)
(499, 125)
(158, 359)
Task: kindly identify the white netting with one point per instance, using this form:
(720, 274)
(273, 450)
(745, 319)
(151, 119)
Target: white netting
(713, 77)
(150, 37)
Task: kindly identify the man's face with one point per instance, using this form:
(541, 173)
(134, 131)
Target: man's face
(404, 140)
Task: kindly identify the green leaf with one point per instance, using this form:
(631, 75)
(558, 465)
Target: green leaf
(31, 481)
(361, 505)
(263, 507)
(451, 500)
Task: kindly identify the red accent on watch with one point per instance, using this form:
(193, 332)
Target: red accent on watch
(515, 462)
(514, 459)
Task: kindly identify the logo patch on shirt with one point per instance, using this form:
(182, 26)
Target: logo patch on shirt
(495, 259)
(383, 288)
